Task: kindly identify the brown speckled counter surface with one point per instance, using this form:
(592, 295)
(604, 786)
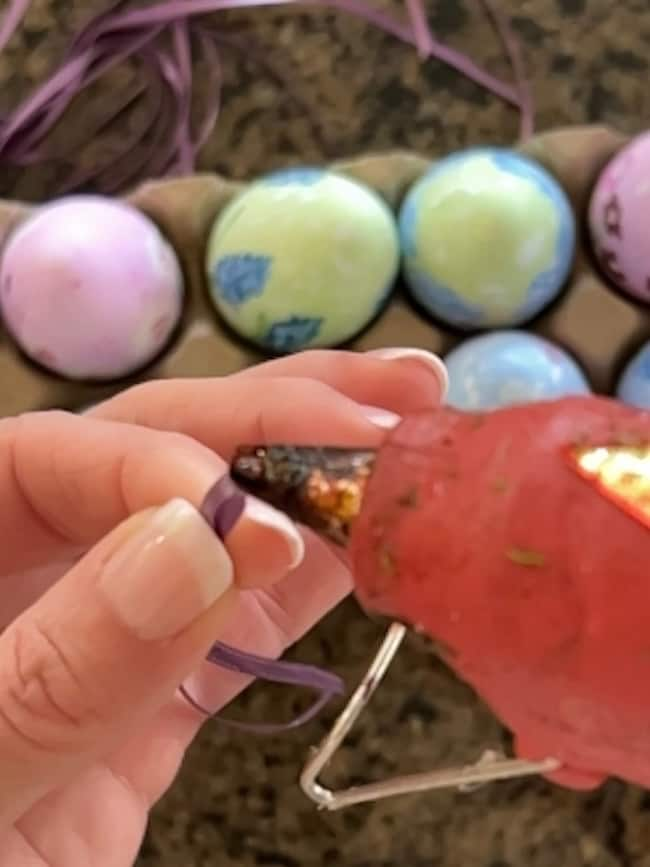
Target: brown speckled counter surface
(236, 802)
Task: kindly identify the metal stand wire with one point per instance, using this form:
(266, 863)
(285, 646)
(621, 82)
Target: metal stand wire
(490, 768)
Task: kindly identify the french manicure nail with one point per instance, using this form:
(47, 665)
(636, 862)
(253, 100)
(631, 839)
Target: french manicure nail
(427, 359)
(168, 573)
(383, 418)
(267, 516)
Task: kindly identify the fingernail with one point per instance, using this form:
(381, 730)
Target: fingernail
(168, 573)
(381, 417)
(260, 513)
(432, 362)
(223, 506)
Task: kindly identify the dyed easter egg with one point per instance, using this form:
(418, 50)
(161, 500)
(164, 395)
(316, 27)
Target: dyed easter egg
(619, 211)
(510, 367)
(302, 258)
(488, 239)
(634, 384)
(89, 288)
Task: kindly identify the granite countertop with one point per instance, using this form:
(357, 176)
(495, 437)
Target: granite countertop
(236, 802)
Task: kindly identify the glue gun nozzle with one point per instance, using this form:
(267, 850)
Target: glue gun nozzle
(321, 488)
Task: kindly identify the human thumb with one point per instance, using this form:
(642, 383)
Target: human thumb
(106, 647)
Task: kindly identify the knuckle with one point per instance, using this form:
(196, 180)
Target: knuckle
(42, 697)
(13, 429)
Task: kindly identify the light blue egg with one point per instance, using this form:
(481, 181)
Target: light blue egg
(487, 238)
(634, 384)
(510, 367)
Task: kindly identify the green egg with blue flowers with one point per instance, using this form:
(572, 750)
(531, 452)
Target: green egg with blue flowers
(302, 258)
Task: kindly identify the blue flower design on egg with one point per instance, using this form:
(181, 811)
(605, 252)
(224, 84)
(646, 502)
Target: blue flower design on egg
(240, 277)
(291, 334)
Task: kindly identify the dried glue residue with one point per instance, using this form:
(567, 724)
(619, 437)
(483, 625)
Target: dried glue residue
(386, 561)
(621, 473)
(409, 499)
(526, 557)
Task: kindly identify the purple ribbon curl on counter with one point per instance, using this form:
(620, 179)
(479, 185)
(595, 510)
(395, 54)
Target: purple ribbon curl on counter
(166, 41)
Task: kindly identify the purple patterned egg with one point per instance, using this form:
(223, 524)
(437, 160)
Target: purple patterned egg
(89, 288)
(619, 212)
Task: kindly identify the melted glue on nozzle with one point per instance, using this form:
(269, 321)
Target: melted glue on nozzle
(321, 488)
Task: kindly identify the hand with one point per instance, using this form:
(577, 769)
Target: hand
(114, 588)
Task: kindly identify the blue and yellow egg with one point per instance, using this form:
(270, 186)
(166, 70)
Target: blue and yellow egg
(488, 239)
(302, 258)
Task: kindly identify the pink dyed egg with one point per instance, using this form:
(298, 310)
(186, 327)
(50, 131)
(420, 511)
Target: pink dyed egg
(619, 216)
(89, 288)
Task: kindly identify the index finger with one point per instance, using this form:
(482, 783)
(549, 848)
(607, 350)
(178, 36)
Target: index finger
(225, 413)
(308, 398)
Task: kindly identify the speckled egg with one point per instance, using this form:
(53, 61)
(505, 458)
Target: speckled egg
(509, 367)
(488, 239)
(634, 384)
(619, 211)
(89, 288)
(302, 258)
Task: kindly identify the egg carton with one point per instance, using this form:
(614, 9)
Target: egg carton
(592, 320)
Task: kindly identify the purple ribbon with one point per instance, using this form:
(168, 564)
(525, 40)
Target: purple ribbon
(167, 142)
(222, 508)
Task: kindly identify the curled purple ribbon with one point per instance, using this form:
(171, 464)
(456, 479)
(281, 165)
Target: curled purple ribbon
(222, 507)
(165, 39)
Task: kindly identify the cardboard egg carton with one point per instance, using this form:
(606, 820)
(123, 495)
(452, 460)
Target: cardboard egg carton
(597, 324)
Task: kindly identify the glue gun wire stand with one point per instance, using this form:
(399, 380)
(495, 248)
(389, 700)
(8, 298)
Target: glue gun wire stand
(323, 488)
(489, 768)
